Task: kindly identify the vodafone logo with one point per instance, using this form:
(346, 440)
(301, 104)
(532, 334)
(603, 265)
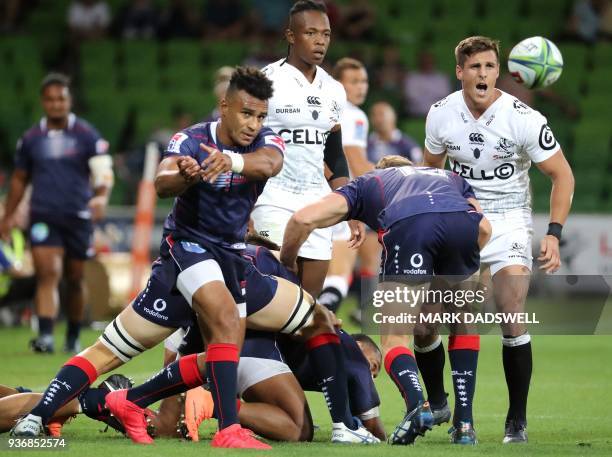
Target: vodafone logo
(159, 305)
(416, 260)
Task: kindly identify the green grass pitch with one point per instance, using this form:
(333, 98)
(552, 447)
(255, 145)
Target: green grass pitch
(570, 407)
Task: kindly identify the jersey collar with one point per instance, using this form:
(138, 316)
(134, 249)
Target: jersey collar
(300, 76)
(488, 112)
(71, 122)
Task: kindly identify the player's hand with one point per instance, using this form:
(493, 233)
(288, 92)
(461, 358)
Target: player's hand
(97, 206)
(189, 169)
(549, 254)
(215, 164)
(357, 234)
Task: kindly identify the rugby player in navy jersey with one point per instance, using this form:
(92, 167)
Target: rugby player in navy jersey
(67, 163)
(215, 171)
(424, 216)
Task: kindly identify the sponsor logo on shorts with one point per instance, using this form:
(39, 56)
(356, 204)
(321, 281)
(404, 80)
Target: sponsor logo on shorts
(159, 305)
(416, 260)
(39, 232)
(155, 314)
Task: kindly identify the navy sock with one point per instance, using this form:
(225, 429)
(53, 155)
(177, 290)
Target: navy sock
(430, 361)
(76, 375)
(463, 355)
(45, 326)
(93, 402)
(73, 331)
(327, 358)
(402, 368)
(178, 377)
(518, 365)
(222, 373)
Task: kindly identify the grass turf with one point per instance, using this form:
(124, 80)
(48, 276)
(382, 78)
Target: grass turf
(569, 406)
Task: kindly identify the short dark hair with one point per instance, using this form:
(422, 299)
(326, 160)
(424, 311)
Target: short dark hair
(473, 45)
(393, 160)
(346, 63)
(52, 79)
(365, 339)
(307, 5)
(251, 80)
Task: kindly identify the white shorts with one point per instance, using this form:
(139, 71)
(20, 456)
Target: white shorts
(270, 222)
(174, 341)
(510, 242)
(252, 370)
(341, 231)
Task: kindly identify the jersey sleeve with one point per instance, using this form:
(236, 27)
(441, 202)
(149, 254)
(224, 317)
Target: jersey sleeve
(268, 139)
(464, 187)
(354, 130)
(96, 145)
(357, 191)
(23, 159)
(538, 139)
(433, 141)
(181, 144)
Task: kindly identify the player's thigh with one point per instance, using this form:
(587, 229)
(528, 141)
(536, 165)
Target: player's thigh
(48, 262)
(459, 255)
(312, 273)
(77, 238)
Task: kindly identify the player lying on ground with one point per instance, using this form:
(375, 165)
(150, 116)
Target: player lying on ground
(424, 214)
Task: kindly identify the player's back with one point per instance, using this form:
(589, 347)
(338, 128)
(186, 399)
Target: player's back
(382, 197)
(217, 211)
(302, 113)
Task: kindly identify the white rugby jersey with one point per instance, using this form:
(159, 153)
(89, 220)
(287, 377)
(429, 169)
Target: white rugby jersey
(494, 152)
(355, 126)
(302, 113)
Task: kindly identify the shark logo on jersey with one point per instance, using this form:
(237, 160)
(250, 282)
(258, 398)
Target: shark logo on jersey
(547, 140)
(505, 147)
(335, 109)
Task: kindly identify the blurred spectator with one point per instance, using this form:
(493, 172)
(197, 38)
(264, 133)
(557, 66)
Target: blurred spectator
(358, 20)
(269, 17)
(424, 87)
(387, 139)
(589, 20)
(390, 71)
(11, 14)
(178, 20)
(89, 19)
(222, 79)
(137, 19)
(224, 19)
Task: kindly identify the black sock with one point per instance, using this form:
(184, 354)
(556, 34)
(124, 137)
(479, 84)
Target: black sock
(330, 298)
(402, 368)
(93, 403)
(222, 374)
(76, 375)
(518, 365)
(45, 326)
(73, 331)
(326, 356)
(176, 378)
(463, 355)
(430, 361)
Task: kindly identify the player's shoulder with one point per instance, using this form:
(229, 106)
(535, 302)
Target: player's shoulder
(355, 113)
(444, 106)
(34, 131)
(517, 109)
(330, 84)
(84, 129)
(196, 133)
(274, 70)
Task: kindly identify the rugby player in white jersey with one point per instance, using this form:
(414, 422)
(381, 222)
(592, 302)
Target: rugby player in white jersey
(305, 111)
(491, 139)
(353, 76)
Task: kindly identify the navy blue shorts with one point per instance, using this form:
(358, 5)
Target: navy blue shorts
(198, 263)
(432, 244)
(73, 234)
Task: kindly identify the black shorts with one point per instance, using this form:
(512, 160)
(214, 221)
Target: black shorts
(72, 233)
(432, 244)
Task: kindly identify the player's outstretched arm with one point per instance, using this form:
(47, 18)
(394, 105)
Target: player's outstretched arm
(326, 212)
(263, 163)
(433, 160)
(175, 174)
(560, 173)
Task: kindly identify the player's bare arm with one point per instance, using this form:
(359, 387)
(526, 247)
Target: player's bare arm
(559, 171)
(357, 160)
(175, 174)
(17, 187)
(328, 211)
(263, 163)
(433, 160)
